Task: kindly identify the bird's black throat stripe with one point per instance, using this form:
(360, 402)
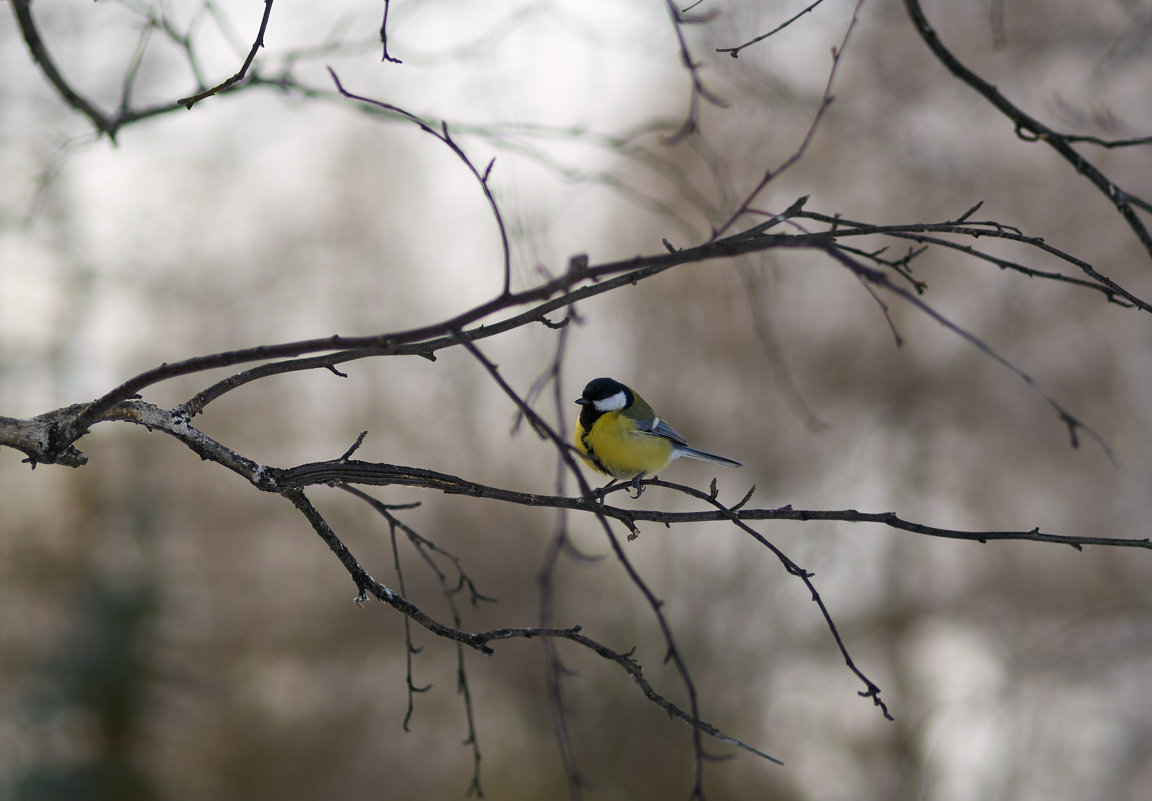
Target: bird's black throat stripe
(591, 452)
(588, 415)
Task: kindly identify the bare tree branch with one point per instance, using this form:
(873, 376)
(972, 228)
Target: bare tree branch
(189, 102)
(443, 135)
(691, 122)
(105, 123)
(548, 306)
(50, 438)
(384, 37)
(1029, 128)
(735, 51)
(798, 154)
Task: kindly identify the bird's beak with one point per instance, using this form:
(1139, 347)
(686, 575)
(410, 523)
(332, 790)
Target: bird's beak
(584, 401)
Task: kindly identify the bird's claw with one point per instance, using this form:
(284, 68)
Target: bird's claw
(637, 486)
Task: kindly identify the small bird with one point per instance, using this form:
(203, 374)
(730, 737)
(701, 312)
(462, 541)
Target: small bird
(619, 435)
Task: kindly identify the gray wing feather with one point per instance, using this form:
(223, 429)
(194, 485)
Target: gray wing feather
(659, 428)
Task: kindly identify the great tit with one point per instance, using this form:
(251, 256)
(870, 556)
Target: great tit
(619, 435)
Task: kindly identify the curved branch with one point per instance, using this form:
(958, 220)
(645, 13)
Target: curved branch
(445, 137)
(574, 634)
(1031, 129)
(189, 102)
(425, 341)
(871, 690)
(23, 11)
(271, 479)
(105, 123)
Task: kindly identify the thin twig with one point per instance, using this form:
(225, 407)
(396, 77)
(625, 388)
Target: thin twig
(673, 653)
(384, 37)
(444, 136)
(810, 134)
(691, 122)
(870, 689)
(735, 51)
(189, 102)
(427, 340)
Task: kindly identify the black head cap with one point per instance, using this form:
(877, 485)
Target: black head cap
(601, 388)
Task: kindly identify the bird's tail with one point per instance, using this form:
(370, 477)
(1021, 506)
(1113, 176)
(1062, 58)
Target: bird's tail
(684, 450)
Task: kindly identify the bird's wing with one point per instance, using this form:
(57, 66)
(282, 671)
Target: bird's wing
(659, 428)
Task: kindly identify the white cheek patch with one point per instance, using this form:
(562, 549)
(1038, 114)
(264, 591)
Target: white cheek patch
(612, 403)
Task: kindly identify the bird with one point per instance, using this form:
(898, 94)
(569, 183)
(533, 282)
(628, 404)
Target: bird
(620, 436)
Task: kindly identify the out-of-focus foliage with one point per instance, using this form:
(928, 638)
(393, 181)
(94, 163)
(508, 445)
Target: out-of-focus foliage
(166, 632)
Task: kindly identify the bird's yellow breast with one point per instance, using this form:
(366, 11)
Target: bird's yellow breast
(614, 447)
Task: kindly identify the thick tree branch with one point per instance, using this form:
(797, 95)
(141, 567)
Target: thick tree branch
(50, 438)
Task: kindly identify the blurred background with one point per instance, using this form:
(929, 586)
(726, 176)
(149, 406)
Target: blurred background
(167, 632)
